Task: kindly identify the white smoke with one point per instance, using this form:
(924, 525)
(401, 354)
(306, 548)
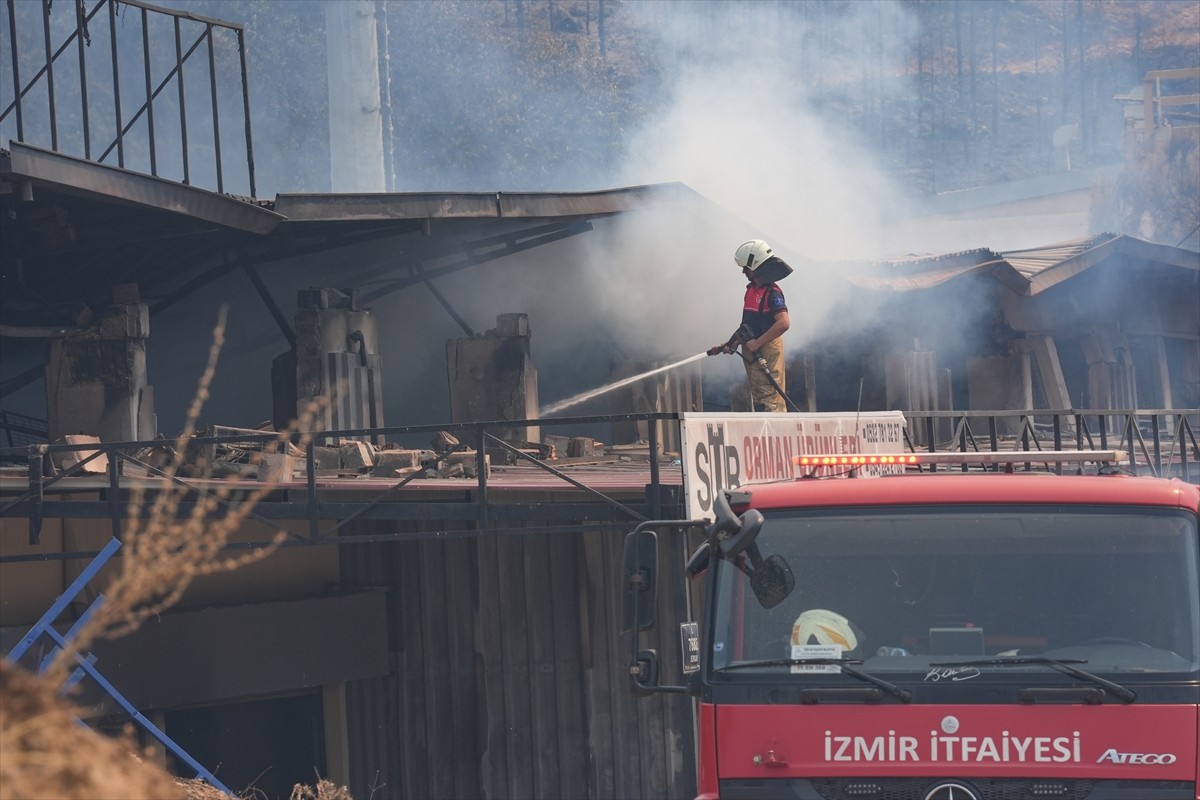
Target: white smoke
(743, 128)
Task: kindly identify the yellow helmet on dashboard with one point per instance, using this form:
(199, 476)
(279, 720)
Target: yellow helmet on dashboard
(822, 626)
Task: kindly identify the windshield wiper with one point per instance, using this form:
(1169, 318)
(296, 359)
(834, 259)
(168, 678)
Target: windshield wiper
(1064, 665)
(845, 663)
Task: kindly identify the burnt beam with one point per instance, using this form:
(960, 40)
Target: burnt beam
(437, 295)
(276, 312)
(471, 259)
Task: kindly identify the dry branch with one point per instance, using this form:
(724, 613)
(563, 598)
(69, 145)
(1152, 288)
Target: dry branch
(162, 553)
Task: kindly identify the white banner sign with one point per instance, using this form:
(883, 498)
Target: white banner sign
(725, 451)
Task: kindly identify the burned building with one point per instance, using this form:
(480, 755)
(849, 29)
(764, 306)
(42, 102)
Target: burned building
(458, 638)
(429, 635)
(1104, 323)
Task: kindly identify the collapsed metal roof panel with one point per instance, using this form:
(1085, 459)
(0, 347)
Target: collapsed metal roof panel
(915, 272)
(83, 178)
(921, 261)
(1035, 260)
(923, 280)
(1026, 272)
(1053, 274)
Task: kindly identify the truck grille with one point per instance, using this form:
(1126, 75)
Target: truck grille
(984, 789)
(918, 788)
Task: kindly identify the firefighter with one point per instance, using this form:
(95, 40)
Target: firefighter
(764, 320)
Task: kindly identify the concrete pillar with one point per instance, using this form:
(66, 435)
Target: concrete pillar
(336, 362)
(355, 118)
(492, 377)
(96, 380)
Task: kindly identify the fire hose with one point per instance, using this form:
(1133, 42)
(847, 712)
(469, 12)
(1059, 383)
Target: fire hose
(737, 344)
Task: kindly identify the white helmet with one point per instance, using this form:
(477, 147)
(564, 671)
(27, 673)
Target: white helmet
(752, 254)
(821, 626)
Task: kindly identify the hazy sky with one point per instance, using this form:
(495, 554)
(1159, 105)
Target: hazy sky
(724, 105)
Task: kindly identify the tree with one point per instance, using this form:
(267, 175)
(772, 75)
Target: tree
(1157, 196)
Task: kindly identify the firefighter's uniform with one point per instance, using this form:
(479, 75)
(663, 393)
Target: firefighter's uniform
(759, 307)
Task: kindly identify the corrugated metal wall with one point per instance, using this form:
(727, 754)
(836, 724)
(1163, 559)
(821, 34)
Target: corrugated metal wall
(510, 673)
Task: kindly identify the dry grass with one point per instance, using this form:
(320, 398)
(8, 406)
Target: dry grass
(46, 753)
(324, 790)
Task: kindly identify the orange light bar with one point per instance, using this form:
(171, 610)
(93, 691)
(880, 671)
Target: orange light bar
(1007, 457)
(854, 460)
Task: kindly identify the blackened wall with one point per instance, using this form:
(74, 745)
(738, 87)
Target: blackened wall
(510, 674)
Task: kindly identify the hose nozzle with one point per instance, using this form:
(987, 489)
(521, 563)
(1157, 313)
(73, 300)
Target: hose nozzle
(742, 335)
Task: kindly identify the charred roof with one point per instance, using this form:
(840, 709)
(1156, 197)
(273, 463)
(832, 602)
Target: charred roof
(73, 229)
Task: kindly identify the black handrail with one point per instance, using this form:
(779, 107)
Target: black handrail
(1145, 447)
(31, 503)
(81, 35)
(1182, 450)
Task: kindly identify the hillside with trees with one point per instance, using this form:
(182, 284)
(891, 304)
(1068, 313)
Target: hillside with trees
(551, 95)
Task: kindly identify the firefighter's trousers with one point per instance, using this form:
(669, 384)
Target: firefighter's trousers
(763, 395)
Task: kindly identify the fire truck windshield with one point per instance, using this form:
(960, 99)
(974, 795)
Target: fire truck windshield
(920, 593)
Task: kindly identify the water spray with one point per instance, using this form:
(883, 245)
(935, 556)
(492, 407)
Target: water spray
(584, 397)
(734, 345)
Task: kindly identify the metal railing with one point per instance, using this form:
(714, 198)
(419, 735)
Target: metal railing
(1160, 442)
(192, 33)
(479, 515)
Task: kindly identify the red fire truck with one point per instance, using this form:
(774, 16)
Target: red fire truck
(941, 636)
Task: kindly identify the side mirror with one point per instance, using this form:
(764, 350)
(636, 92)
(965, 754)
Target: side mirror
(699, 560)
(747, 532)
(640, 573)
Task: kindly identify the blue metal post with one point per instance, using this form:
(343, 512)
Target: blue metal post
(45, 627)
(44, 624)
